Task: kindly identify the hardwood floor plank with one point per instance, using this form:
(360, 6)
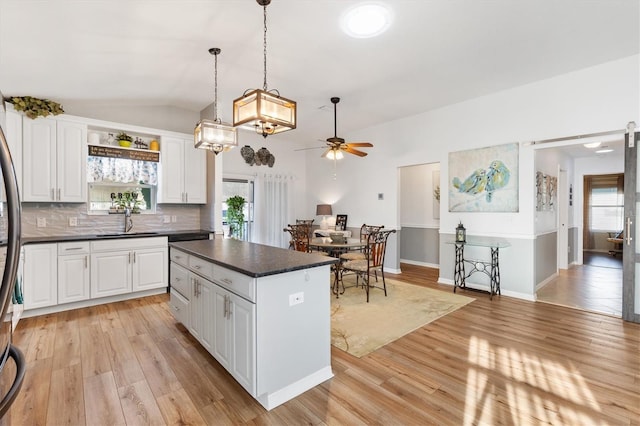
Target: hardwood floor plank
(157, 370)
(95, 358)
(178, 409)
(67, 348)
(41, 343)
(102, 404)
(30, 408)
(122, 358)
(139, 405)
(66, 397)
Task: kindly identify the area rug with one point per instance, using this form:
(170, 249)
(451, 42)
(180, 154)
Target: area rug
(359, 328)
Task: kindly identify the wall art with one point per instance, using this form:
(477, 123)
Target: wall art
(546, 192)
(484, 179)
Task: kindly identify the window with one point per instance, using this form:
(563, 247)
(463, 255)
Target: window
(606, 203)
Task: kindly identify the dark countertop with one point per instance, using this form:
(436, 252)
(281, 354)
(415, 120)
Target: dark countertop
(107, 236)
(254, 260)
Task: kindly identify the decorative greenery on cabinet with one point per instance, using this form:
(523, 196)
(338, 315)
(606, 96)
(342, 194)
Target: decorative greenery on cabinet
(34, 107)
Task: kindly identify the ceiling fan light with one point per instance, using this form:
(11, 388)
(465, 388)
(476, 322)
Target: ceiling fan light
(267, 112)
(215, 136)
(335, 154)
(592, 145)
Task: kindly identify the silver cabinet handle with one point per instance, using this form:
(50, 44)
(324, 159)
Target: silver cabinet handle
(196, 267)
(134, 257)
(229, 308)
(175, 308)
(227, 281)
(73, 248)
(86, 262)
(186, 197)
(627, 233)
(195, 289)
(59, 194)
(129, 257)
(53, 194)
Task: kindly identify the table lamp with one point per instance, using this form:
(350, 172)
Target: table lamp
(323, 210)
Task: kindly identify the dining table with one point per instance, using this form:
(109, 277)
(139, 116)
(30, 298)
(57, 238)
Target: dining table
(335, 250)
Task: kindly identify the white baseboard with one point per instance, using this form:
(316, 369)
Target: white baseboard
(484, 287)
(417, 263)
(547, 281)
(273, 399)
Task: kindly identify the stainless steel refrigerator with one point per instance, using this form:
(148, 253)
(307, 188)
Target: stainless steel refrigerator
(12, 362)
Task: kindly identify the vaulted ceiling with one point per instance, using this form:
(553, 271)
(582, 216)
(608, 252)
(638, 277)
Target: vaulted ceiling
(436, 52)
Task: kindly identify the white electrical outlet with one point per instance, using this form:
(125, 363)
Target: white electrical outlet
(296, 298)
(73, 221)
(42, 222)
(166, 218)
(174, 219)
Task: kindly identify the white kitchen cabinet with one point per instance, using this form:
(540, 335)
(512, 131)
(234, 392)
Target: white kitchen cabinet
(73, 271)
(54, 160)
(183, 172)
(121, 266)
(40, 275)
(110, 273)
(240, 323)
(202, 316)
(13, 133)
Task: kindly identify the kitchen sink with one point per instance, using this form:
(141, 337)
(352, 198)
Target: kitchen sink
(126, 234)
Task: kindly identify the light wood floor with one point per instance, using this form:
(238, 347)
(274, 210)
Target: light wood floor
(504, 361)
(594, 286)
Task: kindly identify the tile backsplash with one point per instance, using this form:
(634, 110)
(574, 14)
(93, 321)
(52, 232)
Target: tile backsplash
(57, 218)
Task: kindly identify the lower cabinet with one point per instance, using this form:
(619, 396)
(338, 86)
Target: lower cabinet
(73, 272)
(60, 273)
(121, 266)
(40, 275)
(201, 313)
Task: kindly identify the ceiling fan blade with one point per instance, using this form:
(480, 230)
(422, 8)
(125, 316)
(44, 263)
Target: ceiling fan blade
(354, 151)
(306, 149)
(363, 144)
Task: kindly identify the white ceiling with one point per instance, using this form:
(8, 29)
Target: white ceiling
(437, 52)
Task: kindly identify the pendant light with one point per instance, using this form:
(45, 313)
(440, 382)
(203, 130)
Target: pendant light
(213, 134)
(264, 109)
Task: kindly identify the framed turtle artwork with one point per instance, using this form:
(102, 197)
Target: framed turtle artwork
(484, 179)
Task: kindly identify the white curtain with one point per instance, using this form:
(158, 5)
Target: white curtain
(273, 209)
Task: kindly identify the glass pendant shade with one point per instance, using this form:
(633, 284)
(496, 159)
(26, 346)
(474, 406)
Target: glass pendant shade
(266, 112)
(215, 136)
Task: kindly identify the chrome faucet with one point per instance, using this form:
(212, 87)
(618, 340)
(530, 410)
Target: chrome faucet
(128, 220)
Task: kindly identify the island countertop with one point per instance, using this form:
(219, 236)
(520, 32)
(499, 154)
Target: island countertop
(254, 260)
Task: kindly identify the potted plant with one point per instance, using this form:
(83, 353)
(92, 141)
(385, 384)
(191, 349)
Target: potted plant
(235, 216)
(124, 139)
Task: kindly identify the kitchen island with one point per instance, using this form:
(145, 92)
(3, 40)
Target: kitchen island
(262, 312)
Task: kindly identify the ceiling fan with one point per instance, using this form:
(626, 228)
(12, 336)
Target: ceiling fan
(337, 145)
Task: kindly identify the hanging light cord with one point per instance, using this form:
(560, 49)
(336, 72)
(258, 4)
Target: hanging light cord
(264, 84)
(215, 88)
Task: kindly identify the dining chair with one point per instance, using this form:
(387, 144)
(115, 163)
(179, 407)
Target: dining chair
(300, 238)
(365, 230)
(374, 261)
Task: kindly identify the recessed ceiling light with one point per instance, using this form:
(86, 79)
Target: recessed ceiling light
(592, 145)
(604, 151)
(366, 20)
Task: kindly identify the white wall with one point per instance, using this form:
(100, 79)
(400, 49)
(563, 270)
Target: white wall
(416, 196)
(547, 161)
(595, 99)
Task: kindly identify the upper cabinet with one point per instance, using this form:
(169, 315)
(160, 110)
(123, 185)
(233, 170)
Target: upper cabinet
(54, 160)
(183, 179)
(13, 133)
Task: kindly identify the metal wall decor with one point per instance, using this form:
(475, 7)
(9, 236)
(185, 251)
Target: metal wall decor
(261, 158)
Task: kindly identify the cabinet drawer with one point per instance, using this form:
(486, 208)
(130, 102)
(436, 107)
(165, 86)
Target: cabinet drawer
(201, 267)
(180, 280)
(79, 247)
(179, 257)
(179, 308)
(240, 284)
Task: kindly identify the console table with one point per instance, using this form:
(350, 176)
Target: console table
(490, 268)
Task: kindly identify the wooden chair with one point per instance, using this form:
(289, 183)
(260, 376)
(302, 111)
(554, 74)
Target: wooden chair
(374, 252)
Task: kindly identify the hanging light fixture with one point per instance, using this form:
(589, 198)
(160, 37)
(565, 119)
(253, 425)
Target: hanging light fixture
(213, 134)
(264, 109)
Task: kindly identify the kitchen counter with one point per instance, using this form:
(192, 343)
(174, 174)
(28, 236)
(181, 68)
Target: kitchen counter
(88, 237)
(254, 260)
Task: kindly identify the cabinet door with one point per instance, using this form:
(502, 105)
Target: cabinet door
(73, 278)
(71, 162)
(110, 273)
(13, 133)
(39, 165)
(195, 326)
(221, 329)
(241, 323)
(195, 174)
(150, 269)
(206, 295)
(40, 275)
(172, 171)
